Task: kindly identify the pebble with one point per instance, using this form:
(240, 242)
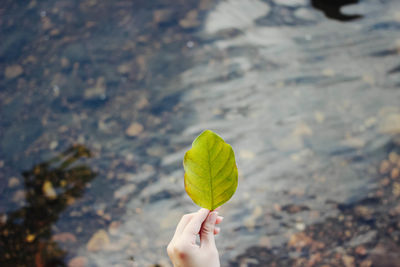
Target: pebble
(393, 157)
(13, 182)
(291, 3)
(19, 195)
(390, 124)
(98, 241)
(124, 191)
(98, 91)
(348, 261)
(190, 20)
(384, 167)
(53, 145)
(124, 68)
(48, 190)
(13, 71)
(3, 218)
(163, 16)
(64, 237)
(134, 129)
(78, 262)
(394, 174)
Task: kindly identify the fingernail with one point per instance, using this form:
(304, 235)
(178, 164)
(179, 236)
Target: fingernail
(217, 229)
(221, 218)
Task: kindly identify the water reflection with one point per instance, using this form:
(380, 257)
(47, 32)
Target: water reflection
(25, 237)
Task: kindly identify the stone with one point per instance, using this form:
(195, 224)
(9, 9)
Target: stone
(134, 129)
(96, 92)
(390, 124)
(190, 20)
(124, 68)
(163, 16)
(291, 3)
(48, 190)
(78, 262)
(348, 261)
(394, 157)
(98, 241)
(384, 167)
(53, 145)
(64, 237)
(13, 71)
(124, 191)
(13, 182)
(19, 195)
(394, 174)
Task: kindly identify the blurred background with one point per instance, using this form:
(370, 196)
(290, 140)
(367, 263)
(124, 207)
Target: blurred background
(99, 100)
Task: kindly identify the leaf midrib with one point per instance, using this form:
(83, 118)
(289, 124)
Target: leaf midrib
(209, 172)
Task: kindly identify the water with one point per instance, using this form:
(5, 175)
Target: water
(309, 104)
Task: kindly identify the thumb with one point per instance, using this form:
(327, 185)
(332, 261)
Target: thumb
(207, 231)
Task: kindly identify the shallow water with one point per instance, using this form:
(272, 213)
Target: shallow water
(310, 105)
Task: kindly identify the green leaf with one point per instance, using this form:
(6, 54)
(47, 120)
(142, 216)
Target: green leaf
(211, 175)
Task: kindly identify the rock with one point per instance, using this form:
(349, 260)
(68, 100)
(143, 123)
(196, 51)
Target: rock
(3, 219)
(124, 191)
(78, 262)
(394, 157)
(163, 16)
(235, 14)
(53, 145)
(124, 68)
(190, 20)
(291, 3)
(48, 190)
(65, 62)
(390, 124)
(366, 263)
(30, 238)
(13, 182)
(113, 228)
(384, 167)
(96, 92)
(396, 189)
(134, 129)
(142, 103)
(19, 195)
(98, 241)
(55, 32)
(13, 71)
(394, 174)
(348, 261)
(302, 129)
(64, 237)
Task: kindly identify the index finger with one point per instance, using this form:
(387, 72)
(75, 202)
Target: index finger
(193, 227)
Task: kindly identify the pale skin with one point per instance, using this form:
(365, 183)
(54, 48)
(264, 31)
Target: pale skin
(183, 249)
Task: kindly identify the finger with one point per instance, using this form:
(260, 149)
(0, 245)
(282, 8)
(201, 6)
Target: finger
(193, 227)
(207, 231)
(182, 223)
(217, 230)
(219, 220)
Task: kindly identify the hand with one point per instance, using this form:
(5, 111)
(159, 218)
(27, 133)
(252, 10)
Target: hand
(183, 250)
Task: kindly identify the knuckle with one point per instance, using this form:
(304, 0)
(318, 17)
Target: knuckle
(176, 250)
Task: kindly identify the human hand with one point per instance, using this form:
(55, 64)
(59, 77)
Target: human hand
(183, 250)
